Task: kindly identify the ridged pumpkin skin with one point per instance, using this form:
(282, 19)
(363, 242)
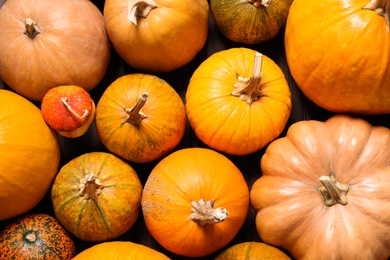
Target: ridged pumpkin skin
(161, 36)
(324, 190)
(137, 127)
(119, 250)
(36, 236)
(231, 113)
(72, 47)
(338, 53)
(181, 189)
(250, 21)
(252, 251)
(29, 155)
(97, 196)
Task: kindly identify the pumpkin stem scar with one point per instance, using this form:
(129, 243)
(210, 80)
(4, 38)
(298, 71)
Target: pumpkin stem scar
(258, 3)
(32, 28)
(31, 237)
(90, 187)
(333, 191)
(134, 114)
(381, 7)
(65, 101)
(203, 212)
(139, 9)
(249, 90)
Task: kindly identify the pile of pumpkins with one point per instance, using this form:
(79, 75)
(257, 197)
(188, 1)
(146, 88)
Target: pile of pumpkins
(319, 182)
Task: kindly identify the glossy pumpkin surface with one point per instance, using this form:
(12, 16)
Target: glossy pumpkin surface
(96, 196)
(29, 155)
(119, 250)
(140, 118)
(323, 193)
(46, 43)
(338, 52)
(250, 21)
(195, 201)
(238, 101)
(157, 35)
(36, 236)
(252, 251)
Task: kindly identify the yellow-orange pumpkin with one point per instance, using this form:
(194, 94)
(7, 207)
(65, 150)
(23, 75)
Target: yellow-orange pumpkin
(96, 196)
(29, 155)
(252, 251)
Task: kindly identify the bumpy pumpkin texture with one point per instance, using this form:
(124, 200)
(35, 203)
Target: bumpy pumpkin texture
(29, 155)
(323, 193)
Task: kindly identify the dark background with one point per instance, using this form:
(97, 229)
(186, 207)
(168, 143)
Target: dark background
(249, 165)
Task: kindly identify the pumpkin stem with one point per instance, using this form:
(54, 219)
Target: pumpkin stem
(333, 191)
(32, 28)
(249, 90)
(31, 237)
(381, 7)
(134, 114)
(65, 101)
(257, 3)
(90, 187)
(203, 212)
(139, 9)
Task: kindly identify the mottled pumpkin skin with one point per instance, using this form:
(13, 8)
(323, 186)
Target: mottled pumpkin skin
(157, 134)
(192, 174)
(113, 212)
(252, 251)
(36, 236)
(121, 250)
(242, 22)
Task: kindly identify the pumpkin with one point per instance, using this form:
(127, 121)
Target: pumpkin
(140, 118)
(36, 236)
(119, 250)
(29, 155)
(323, 193)
(251, 21)
(194, 201)
(157, 35)
(49, 43)
(252, 250)
(338, 54)
(96, 196)
(238, 101)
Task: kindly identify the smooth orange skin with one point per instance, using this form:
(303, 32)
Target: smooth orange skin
(157, 134)
(192, 174)
(252, 251)
(52, 239)
(227, 123)
(29, 155)
(120, 250)
(58, 116)
(290, 210)
(338, 54)
(72, 49)
(167, 39)
(116, 208)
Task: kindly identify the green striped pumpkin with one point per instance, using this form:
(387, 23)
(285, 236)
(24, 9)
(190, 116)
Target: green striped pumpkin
(97, 196)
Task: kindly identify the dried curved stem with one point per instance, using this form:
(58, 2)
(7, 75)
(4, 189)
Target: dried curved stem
(381, 7)
(139, 9)
(134, 114)
(90, 187)
(333, 191)
(203, 212)
(258, 3)
(32, 28)
(65, 101)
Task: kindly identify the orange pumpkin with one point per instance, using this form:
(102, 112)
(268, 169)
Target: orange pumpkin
(338, 53)
(194, 202)
(323, 193)
(36, 236)
(46, 43)
(238, 101)
(29, 155)
(119, 250)
(96, 196)
(140, 118)
(252, 251)
(157, 35)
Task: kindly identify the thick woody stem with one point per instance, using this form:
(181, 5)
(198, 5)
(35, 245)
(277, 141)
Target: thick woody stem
(333, 191)
(65, 101)
(134, 114)
(203, 212)
(258, 3)
(139, 9)
(90, 187)
(381, 7)
(32, 28)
